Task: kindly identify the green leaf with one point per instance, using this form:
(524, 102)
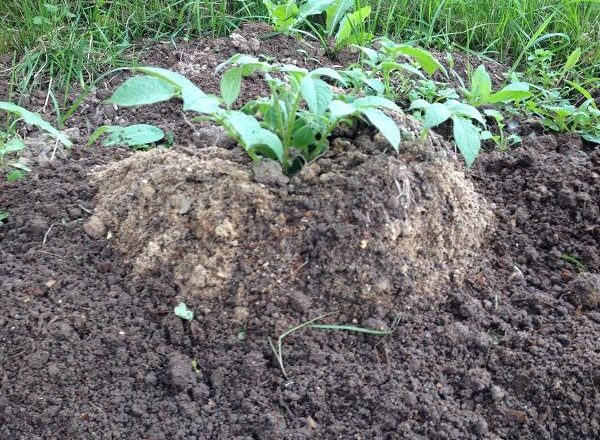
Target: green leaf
(462, 109)
(426, 60)
(481, 86)
(340, 109)
(314, 7)
(328, 72)
(350, 25)
(3, 216)
(376, 84)
(375, 101)
(251, 135)
(35, 119)
(591, 137)
(466, 136)
(316, 93)
(386, 125)
(133, 135)
(494, 114)
(142, 90)
(512, 92)
(390, 66)
(572, 60)
(283, 16)
(231, 82)
(194, 99)
(334, 13)
(183, 312)
(304, 136)
(419, 104)
(435, 115)
(12, 146)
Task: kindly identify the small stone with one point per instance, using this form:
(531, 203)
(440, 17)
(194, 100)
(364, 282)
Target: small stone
(146, 191)
(181, 374)
(299, 301)
(584, 290)
(497, 393)
(269, 172)
(95, 228)
(514, 416)
(241, 313)
(477, 379)
(151, 379)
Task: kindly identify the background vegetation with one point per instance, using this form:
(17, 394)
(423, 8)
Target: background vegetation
(72, 40)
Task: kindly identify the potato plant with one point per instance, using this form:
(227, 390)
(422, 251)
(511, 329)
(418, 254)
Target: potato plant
(291, 125)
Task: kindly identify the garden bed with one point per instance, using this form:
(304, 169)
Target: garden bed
(505, 348)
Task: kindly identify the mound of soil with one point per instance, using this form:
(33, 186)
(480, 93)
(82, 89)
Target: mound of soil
(358, 227)
(90, 347)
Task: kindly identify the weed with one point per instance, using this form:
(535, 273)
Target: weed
(480, 93)
(345, 22)
(278, 346)
(574, 261)
(12, 145)
(183, 312)
(501, 140)
(3, 216)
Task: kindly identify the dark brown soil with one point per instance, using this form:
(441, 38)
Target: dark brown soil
(91, 349)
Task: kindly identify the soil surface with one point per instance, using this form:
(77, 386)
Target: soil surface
(90, 347)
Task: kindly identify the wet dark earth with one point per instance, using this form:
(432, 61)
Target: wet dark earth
(89, 350)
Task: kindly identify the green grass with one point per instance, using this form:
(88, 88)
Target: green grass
(71, 40)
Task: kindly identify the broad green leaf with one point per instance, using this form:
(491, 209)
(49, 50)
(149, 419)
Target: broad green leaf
(183, 312)
(462, 109)
(351, 24)
(314, 7)
(419, 104)
(12, 146)
(466, 136)
(393, 65)
(193, 97)
(133, 135)
(375, 101)
(371, 54)
(328, 72)
(316, 93)
(143, 90)
(207, 104)
(590, 137)
(376, 84)
(340, 109)
(512, 92)
(435, 115)
(494, 114)
(425, 59)
(35, 119)
(251, 135)
(386, 125)
(481, 86)
(334, 13)
(231, 82)
(304, 136)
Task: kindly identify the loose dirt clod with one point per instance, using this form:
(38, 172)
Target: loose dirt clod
(370, 228)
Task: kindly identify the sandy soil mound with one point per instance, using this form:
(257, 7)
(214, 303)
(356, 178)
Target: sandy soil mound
(358, 225)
